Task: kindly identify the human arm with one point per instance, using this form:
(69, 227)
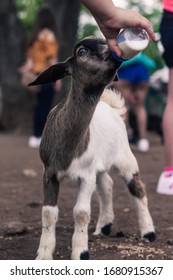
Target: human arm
(111, 19)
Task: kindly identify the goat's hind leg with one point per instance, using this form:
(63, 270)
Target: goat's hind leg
(49, 217)
(106, 214)
(129, 171)
(138, 191)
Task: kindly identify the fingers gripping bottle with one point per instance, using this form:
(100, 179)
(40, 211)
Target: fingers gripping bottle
(131, 41)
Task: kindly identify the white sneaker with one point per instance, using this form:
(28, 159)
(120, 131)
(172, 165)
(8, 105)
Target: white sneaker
(34, 142)
(165, 183)
(143, 145)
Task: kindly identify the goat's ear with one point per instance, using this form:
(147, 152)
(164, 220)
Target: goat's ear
(53, 73)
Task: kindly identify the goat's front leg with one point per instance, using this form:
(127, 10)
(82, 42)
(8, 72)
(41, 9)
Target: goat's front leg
(49, 217)
(106, 214)
(81, 213)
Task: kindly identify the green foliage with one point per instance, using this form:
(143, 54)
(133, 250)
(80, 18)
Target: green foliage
(87, 30)
(27, 10)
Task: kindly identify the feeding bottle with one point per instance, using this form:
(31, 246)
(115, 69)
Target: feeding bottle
(131, 41)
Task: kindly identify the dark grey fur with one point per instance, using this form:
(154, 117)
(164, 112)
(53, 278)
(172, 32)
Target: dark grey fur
(137, 187)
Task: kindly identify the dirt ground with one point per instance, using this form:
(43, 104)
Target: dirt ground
(21, 200)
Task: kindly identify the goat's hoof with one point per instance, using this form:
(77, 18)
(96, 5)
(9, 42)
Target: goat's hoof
(151, 236)
(105, 230)
(84, 255)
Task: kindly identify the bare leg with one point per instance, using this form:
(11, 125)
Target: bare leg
(81, 215)
(168, 122)
(49, 217)
(106, 215)
(126, 89)
(141, 114)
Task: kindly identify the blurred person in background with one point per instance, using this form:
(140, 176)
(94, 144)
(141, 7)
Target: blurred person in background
(42, 52)
(134, 84)
(165, 183)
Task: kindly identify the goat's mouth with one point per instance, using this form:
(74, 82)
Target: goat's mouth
(112, 64)
(107, 54)
(108, 57)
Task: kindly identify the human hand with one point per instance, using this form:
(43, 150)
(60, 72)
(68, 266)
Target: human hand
(112, 19)
(122, 18)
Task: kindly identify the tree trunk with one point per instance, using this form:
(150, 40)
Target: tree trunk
(11, 57)
(18, 103)
(67, 15)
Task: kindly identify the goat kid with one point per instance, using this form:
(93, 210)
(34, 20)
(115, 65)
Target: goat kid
(83, 139)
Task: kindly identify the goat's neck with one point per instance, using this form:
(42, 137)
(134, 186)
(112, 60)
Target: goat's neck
(74, 119)
(80, 106)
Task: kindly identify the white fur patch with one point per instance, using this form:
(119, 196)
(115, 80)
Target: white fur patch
(47, 241)
(115, 100)
(108, 146)
(144, 217)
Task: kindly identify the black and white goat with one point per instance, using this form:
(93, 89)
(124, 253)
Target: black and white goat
(83, 139)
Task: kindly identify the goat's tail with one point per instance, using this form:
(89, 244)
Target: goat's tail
(115, 100)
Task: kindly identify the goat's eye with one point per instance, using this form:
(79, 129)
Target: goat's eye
(82, 51)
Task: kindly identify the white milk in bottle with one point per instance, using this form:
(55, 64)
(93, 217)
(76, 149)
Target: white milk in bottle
(131, 41)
